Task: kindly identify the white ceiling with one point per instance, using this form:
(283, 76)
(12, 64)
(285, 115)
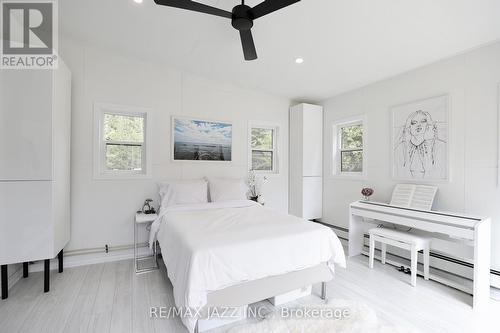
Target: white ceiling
(345, 43)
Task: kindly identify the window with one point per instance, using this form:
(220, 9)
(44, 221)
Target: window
(121, 142)
(263, 151)
(349, 155)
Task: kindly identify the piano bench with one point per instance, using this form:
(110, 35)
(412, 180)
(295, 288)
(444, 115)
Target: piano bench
(402, 240)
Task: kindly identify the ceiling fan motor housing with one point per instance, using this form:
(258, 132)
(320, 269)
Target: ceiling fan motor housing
(242, 18)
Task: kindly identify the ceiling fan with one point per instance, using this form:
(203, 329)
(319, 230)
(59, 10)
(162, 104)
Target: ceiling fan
(242, 17)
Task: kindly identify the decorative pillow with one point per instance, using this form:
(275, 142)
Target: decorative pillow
(226, 189)
(179, 192)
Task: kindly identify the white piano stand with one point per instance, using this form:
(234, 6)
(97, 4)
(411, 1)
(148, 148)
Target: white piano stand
(471, 229)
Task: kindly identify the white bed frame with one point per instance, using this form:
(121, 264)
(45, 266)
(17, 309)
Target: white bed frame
(243, 294)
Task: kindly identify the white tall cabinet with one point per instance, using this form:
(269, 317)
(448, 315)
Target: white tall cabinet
(35, 131)
(306, 161)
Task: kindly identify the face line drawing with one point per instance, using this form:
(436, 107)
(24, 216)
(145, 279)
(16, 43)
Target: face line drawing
(418, 140)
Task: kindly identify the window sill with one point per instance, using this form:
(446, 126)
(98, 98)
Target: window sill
(124, 176)
(267, 173)
(349, 177)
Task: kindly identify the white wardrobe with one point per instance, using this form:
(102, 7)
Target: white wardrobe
(306, 161)
(35, 131)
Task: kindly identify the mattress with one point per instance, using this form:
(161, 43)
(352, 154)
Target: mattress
(212, 246)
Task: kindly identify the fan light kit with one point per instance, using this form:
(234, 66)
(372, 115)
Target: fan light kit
(138, 1)
(299, 60)
(242, 17)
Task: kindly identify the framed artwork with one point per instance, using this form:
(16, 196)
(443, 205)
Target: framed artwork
(201, 140)
(420, 140)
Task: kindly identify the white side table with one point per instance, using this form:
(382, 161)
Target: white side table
(142, 219)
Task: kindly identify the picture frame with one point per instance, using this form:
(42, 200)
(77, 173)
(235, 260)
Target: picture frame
(420, 140)
(201, 140)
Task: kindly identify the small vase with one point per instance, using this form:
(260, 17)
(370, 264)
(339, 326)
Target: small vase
(261, 200)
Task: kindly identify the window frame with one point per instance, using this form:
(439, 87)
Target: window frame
(275, 149)
(100, 169)
(337, 148)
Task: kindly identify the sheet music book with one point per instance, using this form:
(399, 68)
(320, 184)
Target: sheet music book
(414, 196)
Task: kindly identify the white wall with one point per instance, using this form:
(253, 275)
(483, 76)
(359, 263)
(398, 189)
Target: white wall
(102, 211)
(472, 81)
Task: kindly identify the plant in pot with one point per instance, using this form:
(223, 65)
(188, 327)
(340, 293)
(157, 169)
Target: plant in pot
(255, 186)
(367, 192)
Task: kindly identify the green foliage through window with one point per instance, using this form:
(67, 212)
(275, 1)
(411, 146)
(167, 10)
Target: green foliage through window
(123, 128)
(124, 138)
(352, 137)
(351, 148)
(262, 160)
(123, 157)
(262, 138)
(262, 142)
(352, 161)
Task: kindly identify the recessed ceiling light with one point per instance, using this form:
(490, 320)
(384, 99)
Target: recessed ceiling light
(138, 1)
(299, 60)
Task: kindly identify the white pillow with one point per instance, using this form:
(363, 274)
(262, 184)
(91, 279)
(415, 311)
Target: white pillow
(179, 192)
(224, 189)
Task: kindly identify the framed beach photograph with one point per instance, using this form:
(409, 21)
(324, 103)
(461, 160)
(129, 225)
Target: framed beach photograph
(420, 139)
(201, 140)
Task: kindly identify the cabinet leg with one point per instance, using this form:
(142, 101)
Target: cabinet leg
(25, 269)
(5, 284)
(46, 275)
(61, 262)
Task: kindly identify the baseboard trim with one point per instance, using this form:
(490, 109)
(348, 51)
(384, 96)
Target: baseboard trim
(495, 274)
(76, 260)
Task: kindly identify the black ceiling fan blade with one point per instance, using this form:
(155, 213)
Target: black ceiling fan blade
(248, 45)
(194, 6)
(270, 6)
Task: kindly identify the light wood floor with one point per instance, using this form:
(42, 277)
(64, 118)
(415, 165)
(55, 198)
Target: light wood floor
(111, 298)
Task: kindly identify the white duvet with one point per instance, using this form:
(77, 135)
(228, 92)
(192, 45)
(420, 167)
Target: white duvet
(208, 247)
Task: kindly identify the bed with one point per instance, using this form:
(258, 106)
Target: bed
(235, 253)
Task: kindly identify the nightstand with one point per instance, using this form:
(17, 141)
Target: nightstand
(145, 220)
